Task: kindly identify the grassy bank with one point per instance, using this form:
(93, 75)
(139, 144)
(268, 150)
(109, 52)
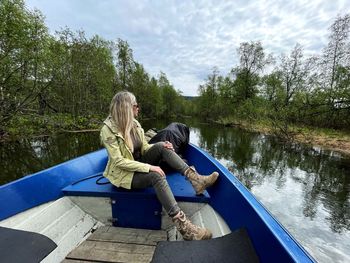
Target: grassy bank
(336, 140)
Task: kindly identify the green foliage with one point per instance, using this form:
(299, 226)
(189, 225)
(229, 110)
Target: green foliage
(245, 86)
(170, 97)
(82, 75)
(23, 49)
(252, 61)
(74, 77)
(125, 65)
(312, 91)
(21, 125)
(69, 75)
(208, 103)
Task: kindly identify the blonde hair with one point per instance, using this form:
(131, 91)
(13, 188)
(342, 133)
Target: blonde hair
(121, 110)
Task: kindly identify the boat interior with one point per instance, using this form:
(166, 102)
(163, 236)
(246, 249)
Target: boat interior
(81, 217)
(95, 216)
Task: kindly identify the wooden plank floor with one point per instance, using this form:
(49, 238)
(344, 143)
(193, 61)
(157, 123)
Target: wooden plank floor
(114, 244)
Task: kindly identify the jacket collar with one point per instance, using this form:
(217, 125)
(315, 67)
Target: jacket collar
(114, 128)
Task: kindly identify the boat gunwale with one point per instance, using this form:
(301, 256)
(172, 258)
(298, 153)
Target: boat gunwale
(46, 185)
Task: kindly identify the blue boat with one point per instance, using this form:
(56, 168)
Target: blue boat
(69, 206)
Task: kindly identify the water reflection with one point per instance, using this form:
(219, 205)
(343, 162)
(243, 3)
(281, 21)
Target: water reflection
(306, 188)
(27, 156)
(255, 158)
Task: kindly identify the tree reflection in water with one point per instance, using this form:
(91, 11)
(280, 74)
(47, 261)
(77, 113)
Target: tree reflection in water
(27, 156)
(255, 158)
(312, 184)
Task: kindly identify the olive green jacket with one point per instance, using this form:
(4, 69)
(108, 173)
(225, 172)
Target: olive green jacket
(121, 164)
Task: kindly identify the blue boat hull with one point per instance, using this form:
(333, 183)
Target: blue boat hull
(237, 206)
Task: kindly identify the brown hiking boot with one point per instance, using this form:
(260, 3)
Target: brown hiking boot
(188, 230)
(200, 182)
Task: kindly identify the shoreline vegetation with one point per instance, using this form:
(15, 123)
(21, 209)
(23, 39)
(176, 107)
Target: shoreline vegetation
(330, 139)
(42, 126)
(34, 125)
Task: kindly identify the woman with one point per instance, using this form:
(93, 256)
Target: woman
(133, 163)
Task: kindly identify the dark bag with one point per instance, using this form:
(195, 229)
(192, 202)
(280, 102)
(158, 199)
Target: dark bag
(176, 133)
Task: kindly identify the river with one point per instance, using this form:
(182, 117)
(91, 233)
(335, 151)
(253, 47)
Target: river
(305, 188)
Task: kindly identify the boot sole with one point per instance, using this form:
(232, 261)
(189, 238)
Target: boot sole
(207, 235)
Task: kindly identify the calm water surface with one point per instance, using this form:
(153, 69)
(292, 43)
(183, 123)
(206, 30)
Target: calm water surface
(306, 189)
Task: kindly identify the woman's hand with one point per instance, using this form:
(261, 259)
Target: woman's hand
(168, 145)
(157, 169)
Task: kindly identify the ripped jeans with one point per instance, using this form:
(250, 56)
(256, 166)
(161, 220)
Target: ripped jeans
(154, 156)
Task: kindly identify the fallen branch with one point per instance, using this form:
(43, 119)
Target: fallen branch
(78, 131)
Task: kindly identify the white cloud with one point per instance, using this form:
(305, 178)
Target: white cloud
(186, 39)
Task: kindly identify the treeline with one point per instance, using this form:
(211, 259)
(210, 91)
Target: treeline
(311, 91)
(70, 73)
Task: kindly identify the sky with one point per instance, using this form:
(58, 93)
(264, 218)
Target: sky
(187, 39)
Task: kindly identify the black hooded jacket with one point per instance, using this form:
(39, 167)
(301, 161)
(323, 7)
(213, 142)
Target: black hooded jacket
(176, 133)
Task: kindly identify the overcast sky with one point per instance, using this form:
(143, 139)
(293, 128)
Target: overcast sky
(186, 39)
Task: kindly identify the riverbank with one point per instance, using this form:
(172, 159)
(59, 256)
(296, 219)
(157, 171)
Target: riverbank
(335, 140)
(38, 126)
